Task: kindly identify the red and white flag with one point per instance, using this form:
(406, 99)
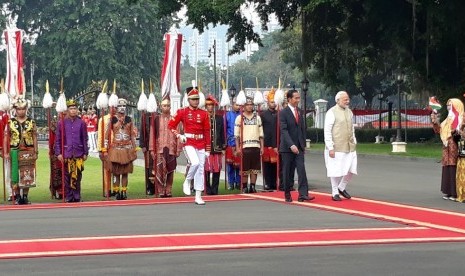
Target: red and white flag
(15, 83)
(170, 74)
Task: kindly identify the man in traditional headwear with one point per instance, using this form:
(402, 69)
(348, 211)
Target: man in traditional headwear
(121, 149)
(22, 133)
(144, 144)
(340, 146)
(196, 139)
(270, 152)
(164, 148)
(72, 150)
(232, 160)
(248, 132)
(213, 164)
(56, 181)
(102, 148)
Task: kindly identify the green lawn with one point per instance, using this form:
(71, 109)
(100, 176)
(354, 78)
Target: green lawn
(422, 150)
(91, 189)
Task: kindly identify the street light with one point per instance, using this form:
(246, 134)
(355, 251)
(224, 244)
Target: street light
(305, 89)
(380, 98)
(399, 79)
(213, 49)
(232, 91)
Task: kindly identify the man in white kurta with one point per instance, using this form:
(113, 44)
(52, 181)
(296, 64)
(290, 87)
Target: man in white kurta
(340, 143)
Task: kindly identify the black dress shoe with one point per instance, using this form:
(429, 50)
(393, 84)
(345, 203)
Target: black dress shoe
(337, 198)
(305, 198)
(288, 199)
(344, 194)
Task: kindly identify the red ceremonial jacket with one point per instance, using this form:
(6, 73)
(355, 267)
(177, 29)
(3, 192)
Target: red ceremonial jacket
(195, 122)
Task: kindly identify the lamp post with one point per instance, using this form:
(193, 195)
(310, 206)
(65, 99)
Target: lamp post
(380, 98)
(399, 79)
(305, 89)
(213, 49)
(232, 92)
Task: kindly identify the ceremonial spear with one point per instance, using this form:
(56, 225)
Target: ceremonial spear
(142, 107)
(47, 103)
(225, 101)
(102, 105)
(279, 99)
(241, 100)
(152, 107)
(258, 101)
(4, 107)
(61, 109)
(112, 104)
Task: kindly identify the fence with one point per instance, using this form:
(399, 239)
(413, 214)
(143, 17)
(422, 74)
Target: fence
(385, 119)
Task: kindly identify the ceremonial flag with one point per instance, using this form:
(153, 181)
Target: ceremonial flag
(15, 82)
(434, 103)
(170, 75)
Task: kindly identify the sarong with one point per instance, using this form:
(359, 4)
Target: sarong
(75, 168)
(23, 168)
(251, 161)
(166, 164)
(270, 155)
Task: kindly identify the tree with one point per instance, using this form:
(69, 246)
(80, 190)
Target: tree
(353, 44)
(83, 41)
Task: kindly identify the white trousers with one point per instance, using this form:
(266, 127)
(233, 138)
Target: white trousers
(92, 143)
(196, 160)
(340, 183)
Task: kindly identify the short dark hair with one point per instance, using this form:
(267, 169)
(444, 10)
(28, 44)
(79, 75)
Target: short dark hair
(290, 93)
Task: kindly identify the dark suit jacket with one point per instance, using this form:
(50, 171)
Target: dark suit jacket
(291, 132)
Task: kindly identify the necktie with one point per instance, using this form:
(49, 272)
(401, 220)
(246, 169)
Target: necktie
(296, 115)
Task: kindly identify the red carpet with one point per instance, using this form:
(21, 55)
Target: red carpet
(130, 202)
(212, 241)
(417, 225)
(406, 214)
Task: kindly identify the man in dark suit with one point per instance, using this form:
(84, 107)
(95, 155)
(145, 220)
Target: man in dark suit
(292, 147)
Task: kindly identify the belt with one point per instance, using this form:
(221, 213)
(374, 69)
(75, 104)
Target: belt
(194, 136)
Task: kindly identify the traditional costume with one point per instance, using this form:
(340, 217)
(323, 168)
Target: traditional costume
(340, 136)
(55, 164)
(248, 131)
(232, 160)
(197, 141)
(450, 148)
(144, 140)
(269, 119)
(71, 145)
(121, 149)
(23, 153)
(213, 164)
(102, 148)
(165, 148)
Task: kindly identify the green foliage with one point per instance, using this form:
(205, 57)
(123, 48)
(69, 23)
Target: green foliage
(92, 40)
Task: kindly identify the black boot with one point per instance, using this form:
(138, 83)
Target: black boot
(25, 199)
(117, 195)
(124, 195)
(245, 190)
(252, 188)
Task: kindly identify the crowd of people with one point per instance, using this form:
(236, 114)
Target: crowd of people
(250, 140)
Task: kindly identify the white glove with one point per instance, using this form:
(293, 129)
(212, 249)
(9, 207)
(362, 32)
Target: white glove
(207, 153)
(182, 138)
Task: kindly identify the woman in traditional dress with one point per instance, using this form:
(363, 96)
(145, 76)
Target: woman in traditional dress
(448, 130)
